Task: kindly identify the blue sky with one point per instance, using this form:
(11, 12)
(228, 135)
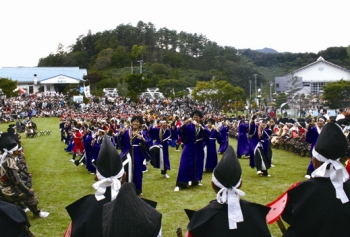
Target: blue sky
(33, 29)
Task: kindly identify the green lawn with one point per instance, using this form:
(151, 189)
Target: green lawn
(58, 182)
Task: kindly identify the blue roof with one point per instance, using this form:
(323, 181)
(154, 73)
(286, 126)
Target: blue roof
(26, 74)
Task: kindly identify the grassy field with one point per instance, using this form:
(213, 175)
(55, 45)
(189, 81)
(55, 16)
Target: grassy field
(58, 182)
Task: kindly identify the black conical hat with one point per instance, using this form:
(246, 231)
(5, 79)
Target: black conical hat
(128, 216)
(343, 122)
(331, 142)
(7, 141)
(108, 162)
(303, 124)
(284, 120)
(291, 121)
(228, 172)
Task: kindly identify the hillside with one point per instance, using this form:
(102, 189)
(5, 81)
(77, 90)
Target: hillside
(176, 60)
(266, 50)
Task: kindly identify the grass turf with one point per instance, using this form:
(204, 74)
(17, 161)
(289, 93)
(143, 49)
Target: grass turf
(58, 182)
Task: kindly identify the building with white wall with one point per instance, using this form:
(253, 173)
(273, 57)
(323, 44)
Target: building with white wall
(35, 79)
(312, 77)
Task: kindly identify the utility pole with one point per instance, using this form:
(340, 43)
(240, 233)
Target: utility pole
(140, 61)
(255, 75)
(270, 91)
(250, 90)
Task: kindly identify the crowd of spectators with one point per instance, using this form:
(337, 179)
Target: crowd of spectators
(52, 104)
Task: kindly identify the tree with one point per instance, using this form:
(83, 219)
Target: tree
(53, 60)
(159, 69)
(120, 57)
(104, 59)
(337, 94)
(169, 87)
(136, 84)
(122, 88)
(302, 102)
(107, 83)
(280, 99)
(94, 76)
(137, 52)
(60, 49)
(294, 84)
(8, 86)
(219, 92)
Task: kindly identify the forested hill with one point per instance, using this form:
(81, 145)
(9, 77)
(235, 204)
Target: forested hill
(176, 60)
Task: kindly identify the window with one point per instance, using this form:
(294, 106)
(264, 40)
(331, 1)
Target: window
(277, 85)
(47, 88)
(317, 87)
(31, 90)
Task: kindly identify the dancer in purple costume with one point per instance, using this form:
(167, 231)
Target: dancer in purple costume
(242, 141)
(134, 152)
(191, 162)
(223, 130)
(87, 138)
(211, 158)
(160, 148)
(257, 146)
(312, 134)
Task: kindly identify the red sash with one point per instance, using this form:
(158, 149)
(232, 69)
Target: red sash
(68, 232)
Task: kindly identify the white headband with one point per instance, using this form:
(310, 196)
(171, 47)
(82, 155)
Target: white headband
(336, 172)
(231, 197)
(8, 152)
(101, 185)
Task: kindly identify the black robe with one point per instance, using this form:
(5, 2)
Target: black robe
(314, 210)
(212, 221)
(86, 215)
(13, 220)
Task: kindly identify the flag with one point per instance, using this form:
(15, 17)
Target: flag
(283, 105)
(20, 90)
(87, 91)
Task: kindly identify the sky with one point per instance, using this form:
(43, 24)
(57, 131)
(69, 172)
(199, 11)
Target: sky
(30, 30)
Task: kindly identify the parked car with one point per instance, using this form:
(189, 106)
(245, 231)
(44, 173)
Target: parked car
(110, 91)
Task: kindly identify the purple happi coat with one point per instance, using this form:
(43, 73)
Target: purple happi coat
(192, 156)
(163, 145)
(242, 140)
(211, 158)
(223, 130)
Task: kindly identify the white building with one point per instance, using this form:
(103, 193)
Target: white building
(34, 79)
(311, 78)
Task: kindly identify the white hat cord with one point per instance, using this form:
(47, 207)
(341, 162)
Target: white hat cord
(231, 197)
(101, 185)
(336, 172)
(8, 152)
